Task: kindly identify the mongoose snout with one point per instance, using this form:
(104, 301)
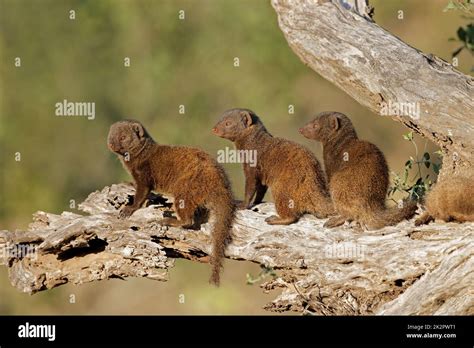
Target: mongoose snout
(190, 175)
(357, 173)
(291, 171)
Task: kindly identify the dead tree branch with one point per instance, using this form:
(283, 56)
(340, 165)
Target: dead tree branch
(338, 40)
(400, 269)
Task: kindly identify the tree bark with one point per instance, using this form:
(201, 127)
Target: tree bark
(338, 40)
(396, 270)
(319, 271)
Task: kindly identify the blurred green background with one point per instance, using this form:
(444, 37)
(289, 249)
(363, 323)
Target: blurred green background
(174, 62)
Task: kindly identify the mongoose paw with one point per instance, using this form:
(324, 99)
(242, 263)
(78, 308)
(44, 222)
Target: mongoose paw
(334, 222)
(424, 219)
(126, 212)
(357, 226)
(276, 220)
(419, 222)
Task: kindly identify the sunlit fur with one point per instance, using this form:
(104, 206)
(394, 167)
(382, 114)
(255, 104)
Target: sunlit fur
(450, 200)
(357, 173)
(190, 175)
(291, 171)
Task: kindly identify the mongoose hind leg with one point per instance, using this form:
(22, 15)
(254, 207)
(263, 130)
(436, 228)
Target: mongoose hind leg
(287, 213)
(185, 213)
(335, 221)
(424, 219)
(276, 220)
(461, 217)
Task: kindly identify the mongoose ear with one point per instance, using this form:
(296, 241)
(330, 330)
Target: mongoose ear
(138, 129)
(246, 117)
(335, 122)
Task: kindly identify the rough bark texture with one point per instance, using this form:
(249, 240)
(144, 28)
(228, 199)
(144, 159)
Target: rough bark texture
(395, 270)
(337, 39)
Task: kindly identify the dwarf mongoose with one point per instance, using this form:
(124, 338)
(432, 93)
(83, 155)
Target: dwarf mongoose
(357, 173)
(291, 171)
(190, 175)
(449, 200)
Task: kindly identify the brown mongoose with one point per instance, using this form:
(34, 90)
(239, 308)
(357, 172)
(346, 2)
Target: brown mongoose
(357, 173)
(449, 200)
(291, 171)
(190, 175)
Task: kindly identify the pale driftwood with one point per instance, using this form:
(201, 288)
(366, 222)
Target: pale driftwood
(337, 39)
(396, 270)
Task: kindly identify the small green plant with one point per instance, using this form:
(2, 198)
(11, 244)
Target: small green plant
(465, 35)
(264, 273)
(463, 5)
(417, 186)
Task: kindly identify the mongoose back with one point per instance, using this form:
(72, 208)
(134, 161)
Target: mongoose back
(193, 177)
(291, 171)
(357, 173)
(449, 200)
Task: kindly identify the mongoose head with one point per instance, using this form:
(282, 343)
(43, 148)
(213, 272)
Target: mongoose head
(127, 136)
(327, 125)
(236, 123)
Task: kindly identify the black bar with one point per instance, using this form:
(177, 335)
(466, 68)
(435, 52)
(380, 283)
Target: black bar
(260, 330)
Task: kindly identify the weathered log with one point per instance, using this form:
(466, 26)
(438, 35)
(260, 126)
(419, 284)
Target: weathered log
(398, 270)
(338, 40)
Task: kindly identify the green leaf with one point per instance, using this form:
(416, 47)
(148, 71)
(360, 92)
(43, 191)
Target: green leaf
(461, 34)
(449, 6)
(408, 136)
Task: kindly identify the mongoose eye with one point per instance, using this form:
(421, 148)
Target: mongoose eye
(228, 123)
(122, 137)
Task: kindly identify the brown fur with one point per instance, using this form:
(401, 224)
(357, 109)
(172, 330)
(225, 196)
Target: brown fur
(357, 173)
(449, 200)
(190, 175)
(292, 172)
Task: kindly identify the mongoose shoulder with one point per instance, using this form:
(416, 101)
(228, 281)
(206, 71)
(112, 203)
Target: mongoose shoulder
(357, 173)
(450, 200)
(190, 175)
(291, 171)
